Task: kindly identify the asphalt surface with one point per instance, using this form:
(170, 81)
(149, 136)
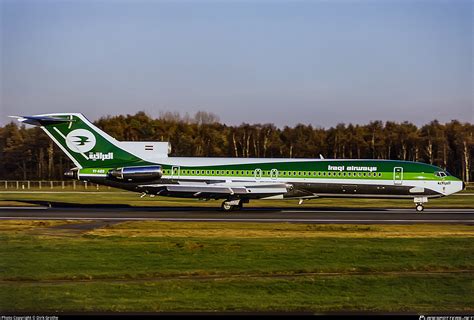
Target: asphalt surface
(292, 215)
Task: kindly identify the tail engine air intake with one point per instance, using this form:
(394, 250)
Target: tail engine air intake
(137, 174)
(71, 174)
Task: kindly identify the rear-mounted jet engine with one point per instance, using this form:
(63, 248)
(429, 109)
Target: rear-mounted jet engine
(136, 174)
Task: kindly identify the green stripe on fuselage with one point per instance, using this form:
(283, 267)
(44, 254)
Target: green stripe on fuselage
(322, 169)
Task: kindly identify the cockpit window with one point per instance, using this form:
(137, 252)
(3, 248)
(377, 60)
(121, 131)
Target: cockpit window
(440, 174)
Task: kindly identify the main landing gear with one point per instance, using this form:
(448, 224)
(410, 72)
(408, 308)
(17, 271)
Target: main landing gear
(419, 203)
(232, 205)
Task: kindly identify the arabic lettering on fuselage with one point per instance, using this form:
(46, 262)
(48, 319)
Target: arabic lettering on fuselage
(101, 156)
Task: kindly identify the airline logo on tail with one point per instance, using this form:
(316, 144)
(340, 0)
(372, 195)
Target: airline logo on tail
(80, 140)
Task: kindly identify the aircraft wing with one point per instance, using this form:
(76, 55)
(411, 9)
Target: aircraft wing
(220, 190)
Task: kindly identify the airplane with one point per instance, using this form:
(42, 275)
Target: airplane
(145, 167)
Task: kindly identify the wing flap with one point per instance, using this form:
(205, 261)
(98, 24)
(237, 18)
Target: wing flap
(217, 189)
(207, 189)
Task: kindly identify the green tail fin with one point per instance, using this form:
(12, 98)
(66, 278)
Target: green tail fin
(85, 144)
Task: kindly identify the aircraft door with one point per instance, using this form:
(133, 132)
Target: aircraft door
(175, 170)
(274, 174)
(258, 174)
(398, 176)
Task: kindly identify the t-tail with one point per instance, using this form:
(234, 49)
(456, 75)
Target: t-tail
(84, 143)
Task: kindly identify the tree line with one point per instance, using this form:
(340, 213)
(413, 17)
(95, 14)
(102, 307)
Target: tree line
(27, 153)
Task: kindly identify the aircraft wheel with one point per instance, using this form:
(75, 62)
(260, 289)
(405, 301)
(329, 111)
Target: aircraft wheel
(226, 206)
(419, 207)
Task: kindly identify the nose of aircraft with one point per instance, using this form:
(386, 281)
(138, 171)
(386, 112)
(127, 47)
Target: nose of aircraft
(454, 186)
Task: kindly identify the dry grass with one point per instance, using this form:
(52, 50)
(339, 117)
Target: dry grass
(26, 225)
(161, 229)
(278, 230)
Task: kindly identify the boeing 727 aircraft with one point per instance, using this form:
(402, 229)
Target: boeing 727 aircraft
(146, 168)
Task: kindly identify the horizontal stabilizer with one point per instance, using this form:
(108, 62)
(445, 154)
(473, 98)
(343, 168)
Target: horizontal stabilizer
(41, 120)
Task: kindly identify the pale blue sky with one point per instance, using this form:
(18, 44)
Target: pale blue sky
(286, 62)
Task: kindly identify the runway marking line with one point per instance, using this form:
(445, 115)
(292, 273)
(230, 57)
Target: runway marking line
(281, 210)
(23, 208)
(240, 220)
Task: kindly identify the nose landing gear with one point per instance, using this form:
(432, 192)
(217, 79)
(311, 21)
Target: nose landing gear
(419, 203)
